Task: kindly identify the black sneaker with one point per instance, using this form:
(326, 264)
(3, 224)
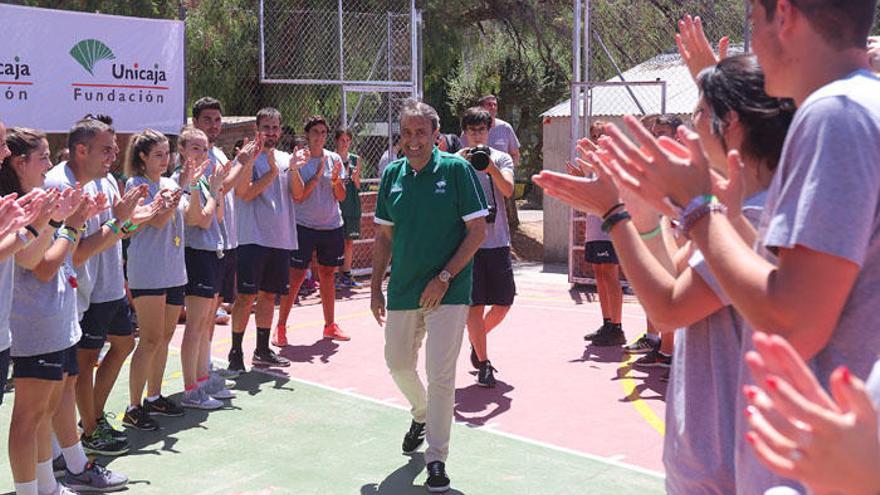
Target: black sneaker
(268, 357)
(437, 481)
(642, 346)
(236, 361)
(59, 466)
(590, 336)
(654, 359)
(486, 376)
(475, 361)
(414, 437)
(100, 443)
(163, 406)
(105, 425)
(611, 336)
(138, 419)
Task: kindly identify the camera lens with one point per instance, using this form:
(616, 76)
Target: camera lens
(479, 157)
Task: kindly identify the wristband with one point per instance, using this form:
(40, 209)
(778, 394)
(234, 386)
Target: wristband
(66, 236)
(113, 225)
(32, 230)
(690, 219)
(614, 219)
(55, 225)
(128, 227)
(611, 210)
(647, 236)
(70, 231)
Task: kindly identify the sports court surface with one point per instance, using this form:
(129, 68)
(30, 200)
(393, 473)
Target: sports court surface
(564, 418)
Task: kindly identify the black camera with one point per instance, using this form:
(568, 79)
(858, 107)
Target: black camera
(479, 157)
(493, 212)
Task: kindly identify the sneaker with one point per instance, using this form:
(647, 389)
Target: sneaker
(95, 478)
(414, 437)
(60, 490)
(199, 399)
(59, 466)
(163, 406)
(486, 375)
(269, 358)
(236, 361)
(279, 339)
(590, 336)
(138, 418)
(226, 374)
(338, 281)
(215, 387)
(222, 317)
(100, 443)
(475, 361)
(332, 331)
(105, 425)
(611, 336)
(437, 481)
(642, 346)
(218, 375)
(349, 282)
(654, 359)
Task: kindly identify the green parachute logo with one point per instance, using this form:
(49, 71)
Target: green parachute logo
(90, 52)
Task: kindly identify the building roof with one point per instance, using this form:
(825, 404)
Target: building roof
(681, 92)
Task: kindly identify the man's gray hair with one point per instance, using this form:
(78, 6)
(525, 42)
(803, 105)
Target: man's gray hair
(415, 108)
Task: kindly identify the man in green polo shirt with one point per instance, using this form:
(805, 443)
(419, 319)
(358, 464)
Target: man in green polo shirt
(430, 219)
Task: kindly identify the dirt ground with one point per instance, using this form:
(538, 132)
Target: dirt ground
(527, 241)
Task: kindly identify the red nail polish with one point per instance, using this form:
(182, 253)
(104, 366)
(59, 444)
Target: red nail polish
(750, 392)
(748, 412)
(773, 382)
(750, 437)
(846, 375)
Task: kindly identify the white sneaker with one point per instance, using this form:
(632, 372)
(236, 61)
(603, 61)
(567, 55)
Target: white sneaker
(60, 490)
(198, 399)
(215, 375)
(216, 388)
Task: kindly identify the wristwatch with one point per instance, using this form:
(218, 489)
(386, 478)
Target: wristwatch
(445, 276)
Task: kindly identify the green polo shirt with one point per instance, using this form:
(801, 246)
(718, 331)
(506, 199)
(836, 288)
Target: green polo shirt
(428, 210)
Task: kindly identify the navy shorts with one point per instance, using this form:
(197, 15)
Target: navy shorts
(261, 268)
(202, 273)
(227, 275)
(600, 252)
(102, 319)
(51, 366)
(493, 278)
(330, 245)
(4, 372)
(173, 295)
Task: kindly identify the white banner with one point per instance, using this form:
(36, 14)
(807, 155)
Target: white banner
(57, 66)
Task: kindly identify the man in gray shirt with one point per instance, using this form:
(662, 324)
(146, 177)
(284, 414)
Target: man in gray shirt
(493, 283)
(502, 137)
(318, 228)
(266, 235)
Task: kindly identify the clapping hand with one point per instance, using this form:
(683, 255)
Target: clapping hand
(828, 443)
(300, 158)
(11, 215)
(694, 47)
(125, 207)
(68, 201)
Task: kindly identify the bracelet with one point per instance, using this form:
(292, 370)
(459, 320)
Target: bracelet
(614, 219)
(697, 202)
(128, 227)
(70, 231)
(67, 237)
(113, 225)
(611, 210)
(691, 219)
(55, 225)
(32, 230)
(647, 236)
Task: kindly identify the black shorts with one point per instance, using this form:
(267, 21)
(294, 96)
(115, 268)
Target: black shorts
(352, 227)
(493, 278)
(600, 252)
(202, 273)
(262, 268)
(52, 366)
(102, 319)
(173, 295)
(227, 275)
(330, 245)
(4, 372)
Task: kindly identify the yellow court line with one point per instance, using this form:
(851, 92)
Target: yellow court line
(645, 411)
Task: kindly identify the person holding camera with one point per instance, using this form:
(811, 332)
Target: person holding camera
(493, 283)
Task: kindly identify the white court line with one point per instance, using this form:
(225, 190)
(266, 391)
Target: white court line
(611, 461)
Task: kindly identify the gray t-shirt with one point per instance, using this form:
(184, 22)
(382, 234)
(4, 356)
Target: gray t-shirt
(7, 279)
(700, 402)
(155, 256)
(501, 137)
(320, 211)
(269, 220)
(230, 227)
(212, 238)
(44, 317)
(497, 233)
(825, 196)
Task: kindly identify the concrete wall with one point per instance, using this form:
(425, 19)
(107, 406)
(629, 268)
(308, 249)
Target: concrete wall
(556, 215)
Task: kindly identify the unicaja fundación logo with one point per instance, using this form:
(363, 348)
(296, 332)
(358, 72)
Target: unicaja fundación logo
(90, 52)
